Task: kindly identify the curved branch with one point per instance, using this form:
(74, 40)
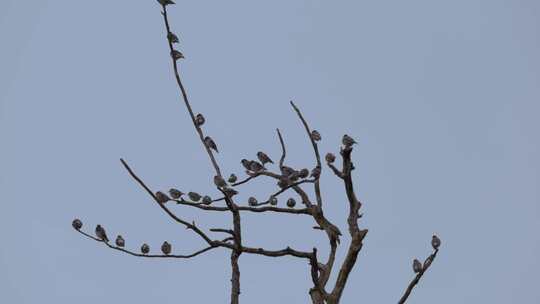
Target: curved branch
(427, 264)
(174, 256)
(278, 253)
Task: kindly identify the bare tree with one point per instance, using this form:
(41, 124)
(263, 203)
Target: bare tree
(288, 179)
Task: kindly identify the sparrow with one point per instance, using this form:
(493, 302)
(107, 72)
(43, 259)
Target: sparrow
(207, 200)
(264, 158)
(315, 135)
(252, 201)
(219, 181)
(166, 248)
(304, 173)
(194, 196)
(77, 224)
(172, 38)
(417, 266)
(232, 179)
(162, 198)
(255, 166)
(209, 142)
(101, 234)
(330, 158)
(145, 248)
(229, 192)
(291, 202)
(176, 55)
(348, 141)
(273, 200)
(199, 120)
(246, 163)
(175, 193)
(316, 172)
(435, 242)
(120, 242)
(287, 171)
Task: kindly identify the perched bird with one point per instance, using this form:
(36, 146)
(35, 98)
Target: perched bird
(348, 141)
(264, 158)
(176, 55)
(219, 181)
(194, 196)
(255, 166)
(166, 248)
(199, 120)
(232, 179)
(291, 202)
(330, 158)
(417, 266)
(315, 135)
(209, 142)
(273, 200)
(296, 175)
(172, 37)
(145, 249)
(165, 2)
(435, 242)
(120, 242)
(252, 201)
(246, 163)
(77, 224)
(101, 234)
(283, 182)
(175, 193)
(207, 200)
(162, 198)
(287, 171)
(229, 192)
(304, 173)
(316, 172)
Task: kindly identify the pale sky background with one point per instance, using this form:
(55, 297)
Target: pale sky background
(443, 97)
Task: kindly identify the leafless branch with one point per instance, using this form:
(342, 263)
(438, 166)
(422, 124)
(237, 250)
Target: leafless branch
(427, 263)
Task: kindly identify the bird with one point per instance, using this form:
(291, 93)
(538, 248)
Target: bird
(348, 141)
(255, 166)
(219, 181)
(283, 182)
(435, 242)
(101, 234)
(77, 224)
(199, 120)
(172, 38)
(194, 196)
(291, 202)
(246, 163)
(207, 200)
(176, 55)
(315, 135)
(330, 158)
(273, 200)
(303, 173)
(232, 179)
(287, 171)
(120, 242)
(175, 193)
(264, 158)
(209, 142)
(252, 201)
(145, 248)
(166, 248)
(229, 192)
(165, 2)
(162, 198)
(316, 172)
(417, 266)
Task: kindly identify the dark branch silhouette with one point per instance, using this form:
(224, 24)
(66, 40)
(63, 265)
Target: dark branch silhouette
(288, 178)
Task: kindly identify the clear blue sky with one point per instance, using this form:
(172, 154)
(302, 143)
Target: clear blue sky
(443, 97)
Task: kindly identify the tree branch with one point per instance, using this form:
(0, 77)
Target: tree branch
(427, 264)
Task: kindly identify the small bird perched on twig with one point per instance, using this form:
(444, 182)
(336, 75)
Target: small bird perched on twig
(233, 178)
(145, 249)
(77, 224)
(229, 192)
(209, 142)
(330, 158)
(435, 242)
(120, 242)
(166, 248)
(101, 234)
(315, 135)
(199, 120)
(264, 158)
(246, 163)
(255, 166)
(348, 141)
(162, 198)
(175, 193)
(219, 181)
(172, 37)
(417, 266)
(176, 55)
(194, 196)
